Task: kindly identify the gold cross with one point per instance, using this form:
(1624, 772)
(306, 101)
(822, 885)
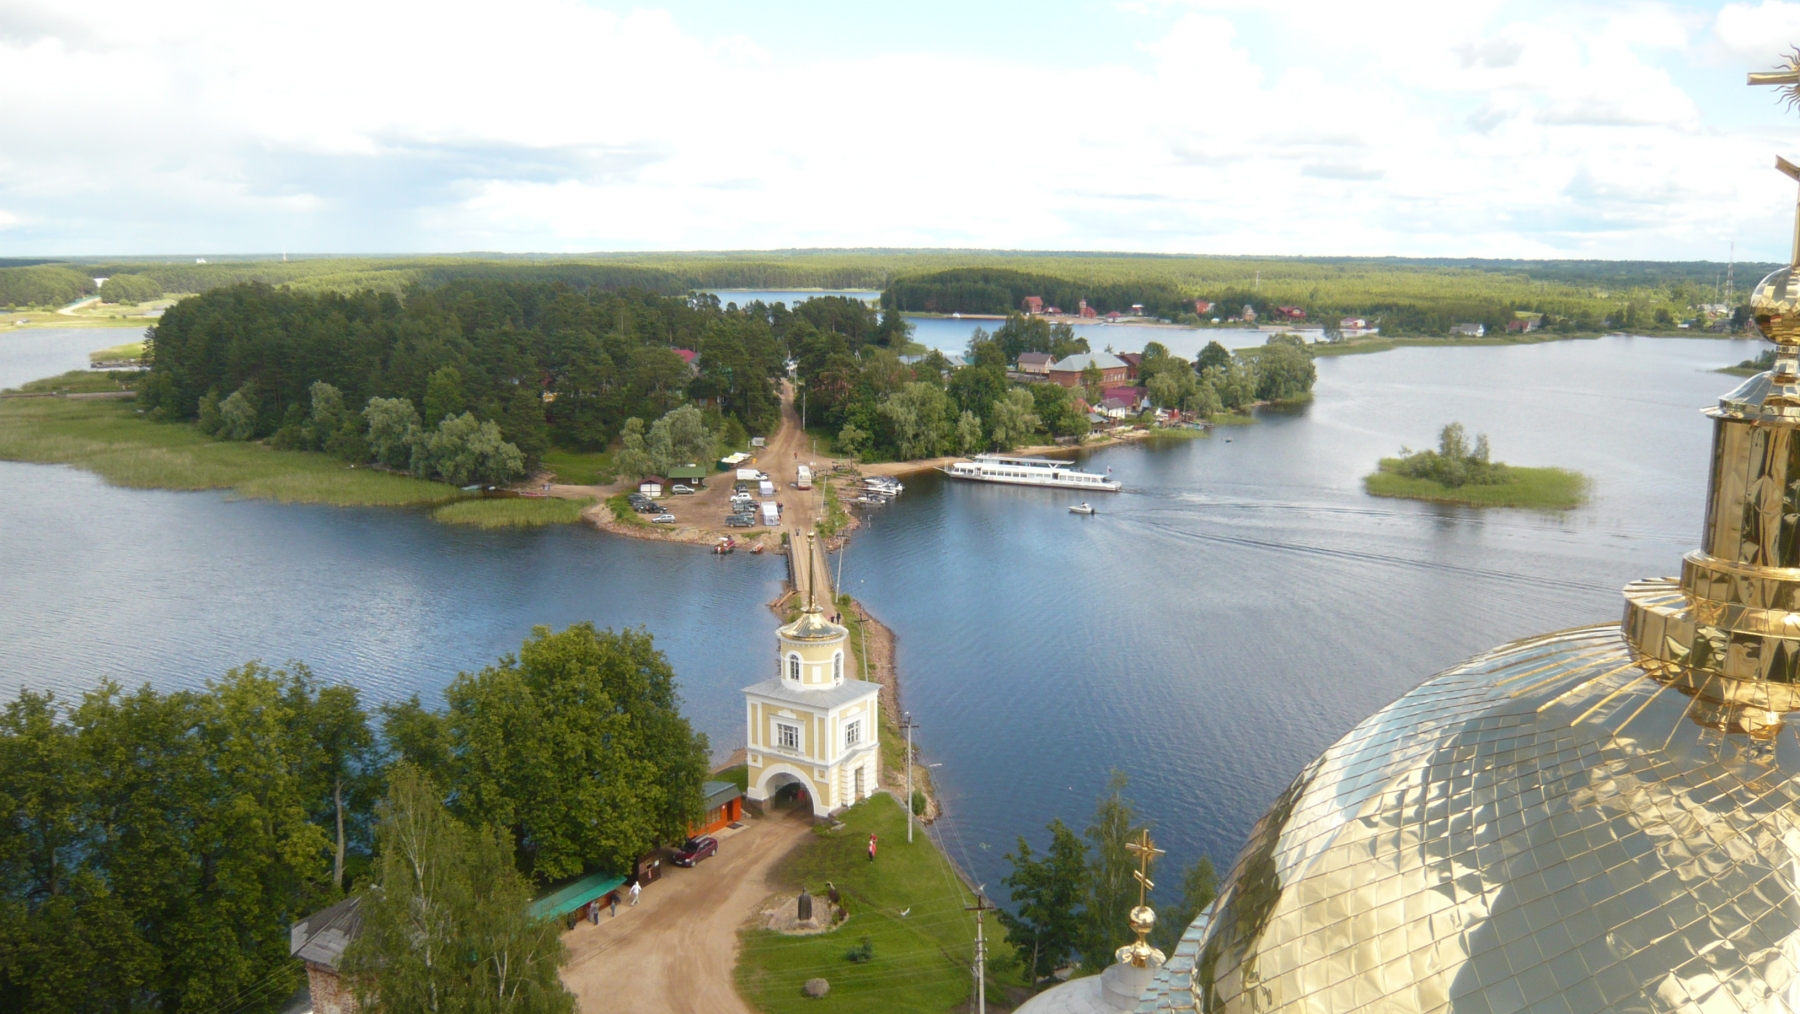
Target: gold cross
(1788, 78)
(1147, 853)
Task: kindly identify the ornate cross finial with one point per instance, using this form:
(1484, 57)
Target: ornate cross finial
(1147, 853)
(1787, 78)
(1143, 920)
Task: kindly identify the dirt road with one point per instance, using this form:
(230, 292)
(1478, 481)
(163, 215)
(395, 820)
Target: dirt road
(676, 950)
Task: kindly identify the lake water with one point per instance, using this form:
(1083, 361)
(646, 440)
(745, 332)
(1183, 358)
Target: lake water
(1233, 612)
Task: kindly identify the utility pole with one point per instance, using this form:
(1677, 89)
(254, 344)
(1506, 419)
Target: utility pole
(981, 905)
(909, 725)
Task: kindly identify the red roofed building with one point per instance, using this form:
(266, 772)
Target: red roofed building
(1033, 304)
(1290, 313)
(1085, 310)
(687, 355)
(1201, 306)
(1133, 360)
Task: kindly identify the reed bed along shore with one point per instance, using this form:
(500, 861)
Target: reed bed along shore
(111, 440)
(513, 512)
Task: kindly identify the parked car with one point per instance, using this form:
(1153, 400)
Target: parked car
(695, 849)
(663, 519)
(681, 489)
(740, 521)
(646, 508)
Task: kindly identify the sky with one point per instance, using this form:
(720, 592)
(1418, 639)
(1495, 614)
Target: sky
(1289, 127)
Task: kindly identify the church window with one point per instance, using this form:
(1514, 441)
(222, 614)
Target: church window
(837, 667)
(793, 667)
(787, 736)
(852, 733)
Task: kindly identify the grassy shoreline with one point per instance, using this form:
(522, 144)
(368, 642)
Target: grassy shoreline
(513, 512)
(111, 440)
(1546, 489)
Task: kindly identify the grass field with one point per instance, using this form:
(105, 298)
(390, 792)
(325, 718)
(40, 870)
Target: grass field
(1534, 488)
(118, 353)
(82, 382)
(580, 468)
(513, 512)
(921, 960)
(110, 439)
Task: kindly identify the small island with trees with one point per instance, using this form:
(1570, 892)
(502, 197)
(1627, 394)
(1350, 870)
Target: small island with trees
(1459, 473)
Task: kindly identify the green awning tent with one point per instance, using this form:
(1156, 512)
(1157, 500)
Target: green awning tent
(570, 897)
(687, 472)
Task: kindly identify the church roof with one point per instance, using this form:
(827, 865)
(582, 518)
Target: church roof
(813, 626)
(321, 937)
(823, 697)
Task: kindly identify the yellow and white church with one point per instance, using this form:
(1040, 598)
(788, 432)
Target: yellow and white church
(813, 725)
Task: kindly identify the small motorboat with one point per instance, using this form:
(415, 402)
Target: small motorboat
(756, 549)
(1081, 508)
(725, 545)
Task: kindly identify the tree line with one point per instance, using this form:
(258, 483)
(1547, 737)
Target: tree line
(533, 364)
(881, 407)
(1072, 901)
(156, 846)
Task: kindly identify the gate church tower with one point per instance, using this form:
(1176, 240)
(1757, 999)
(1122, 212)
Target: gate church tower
(813, 725)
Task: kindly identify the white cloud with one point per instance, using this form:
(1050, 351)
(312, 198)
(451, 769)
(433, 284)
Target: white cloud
(1302, 127)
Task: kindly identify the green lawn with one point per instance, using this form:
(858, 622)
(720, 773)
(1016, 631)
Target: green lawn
(1535, 488)
(83, 382)
(580, 468)
(513, 512)
(921, 960)
(112, 440)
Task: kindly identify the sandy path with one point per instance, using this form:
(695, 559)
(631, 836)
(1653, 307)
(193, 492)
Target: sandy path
(676, 950)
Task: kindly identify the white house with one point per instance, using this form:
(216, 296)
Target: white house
(813, 725)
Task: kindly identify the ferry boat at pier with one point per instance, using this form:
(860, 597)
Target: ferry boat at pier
(1029, 472)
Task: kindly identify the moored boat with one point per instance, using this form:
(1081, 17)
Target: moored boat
(1029, 472)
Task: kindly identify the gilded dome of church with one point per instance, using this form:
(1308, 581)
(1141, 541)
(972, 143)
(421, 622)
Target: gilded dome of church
(1601, 819)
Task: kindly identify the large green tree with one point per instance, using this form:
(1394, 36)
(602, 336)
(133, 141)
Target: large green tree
(444, 924)
(1046, 924)
(1112, 890)
(576, 748)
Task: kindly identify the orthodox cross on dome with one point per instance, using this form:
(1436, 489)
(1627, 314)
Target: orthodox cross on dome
(1147, 853)
(1143, 920)
(1787, 78)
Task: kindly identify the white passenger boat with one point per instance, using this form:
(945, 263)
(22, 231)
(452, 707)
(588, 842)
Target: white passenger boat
(1029, 472)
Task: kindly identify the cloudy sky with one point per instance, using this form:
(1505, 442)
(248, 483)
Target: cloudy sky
(1311, 127)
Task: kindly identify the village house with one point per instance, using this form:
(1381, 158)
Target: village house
(1353, 324)
(1068, 371)
(1085, 311)
(1133, 361)
(1202, 307)
(1137, 309)
(1473, 330)
(1134, 399)
(1033, 305)
(1037, 363)
(1524, 325)
(1249, 316)
(319, 941)
(1290, 313)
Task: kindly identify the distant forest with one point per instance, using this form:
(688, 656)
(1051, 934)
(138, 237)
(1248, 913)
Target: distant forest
(1407, 296)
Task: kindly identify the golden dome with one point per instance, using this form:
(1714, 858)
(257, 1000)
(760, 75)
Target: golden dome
(813, 626)
(1775, 307)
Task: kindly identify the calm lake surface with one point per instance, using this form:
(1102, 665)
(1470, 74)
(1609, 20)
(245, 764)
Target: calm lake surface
(1236, 610)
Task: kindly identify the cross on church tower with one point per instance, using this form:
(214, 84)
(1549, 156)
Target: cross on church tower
(1788, 80)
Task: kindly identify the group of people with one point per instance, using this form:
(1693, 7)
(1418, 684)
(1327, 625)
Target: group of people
(612, 901)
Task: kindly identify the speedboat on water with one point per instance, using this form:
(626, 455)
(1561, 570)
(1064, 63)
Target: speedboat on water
(1081, 508)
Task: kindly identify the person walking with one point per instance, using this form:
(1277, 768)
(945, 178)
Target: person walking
(594, 912)
(615, 904)
(636, 889)
(871, 846)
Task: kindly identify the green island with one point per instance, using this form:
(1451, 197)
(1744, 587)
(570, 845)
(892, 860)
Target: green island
(1458, 473)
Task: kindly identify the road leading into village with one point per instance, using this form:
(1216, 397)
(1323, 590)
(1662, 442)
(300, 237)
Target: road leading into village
(675, 952)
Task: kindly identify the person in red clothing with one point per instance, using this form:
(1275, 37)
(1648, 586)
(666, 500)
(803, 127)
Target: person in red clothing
(871, 846)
